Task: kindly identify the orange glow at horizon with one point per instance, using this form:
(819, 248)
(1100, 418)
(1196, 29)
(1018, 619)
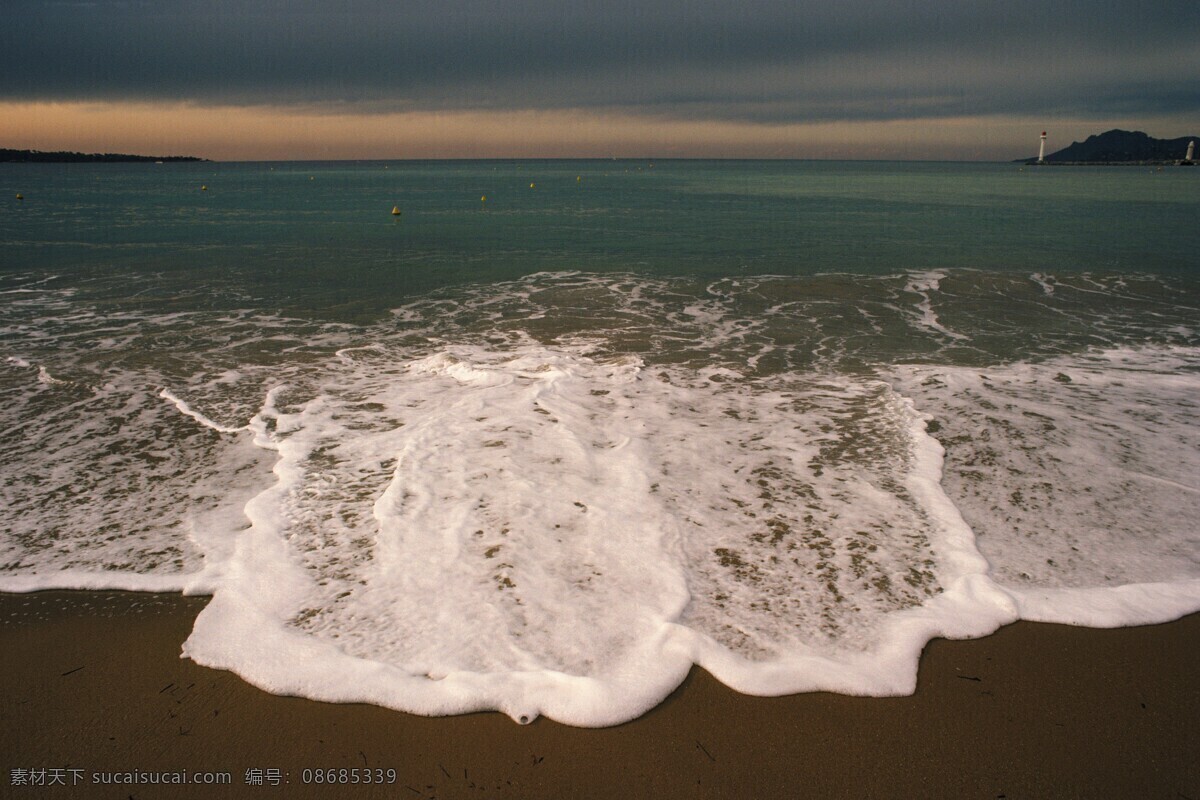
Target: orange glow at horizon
(233, 133)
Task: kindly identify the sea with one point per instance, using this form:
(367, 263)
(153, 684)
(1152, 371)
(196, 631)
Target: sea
(540, 436)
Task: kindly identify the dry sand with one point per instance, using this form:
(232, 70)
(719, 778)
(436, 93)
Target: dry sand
(93, 681)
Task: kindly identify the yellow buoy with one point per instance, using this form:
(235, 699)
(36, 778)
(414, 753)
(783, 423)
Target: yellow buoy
(395, 211)
(20, 196)
(483, 199)
(578, 178)
(204, 188)
(531, 186)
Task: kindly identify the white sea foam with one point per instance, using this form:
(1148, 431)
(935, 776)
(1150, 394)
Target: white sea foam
(1114, 607)
(1078, 474)
(1044, 281)
(108, 487)
(85, 578)
(925, 284)
(492, 503)
(544, 532)
(187, 410)
(45, 377)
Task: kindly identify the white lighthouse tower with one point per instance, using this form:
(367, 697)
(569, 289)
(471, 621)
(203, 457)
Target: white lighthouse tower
(1042, 150)
(1190, 153)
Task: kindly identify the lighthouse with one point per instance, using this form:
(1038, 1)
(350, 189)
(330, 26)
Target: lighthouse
(1042, 150)
(1191, 151)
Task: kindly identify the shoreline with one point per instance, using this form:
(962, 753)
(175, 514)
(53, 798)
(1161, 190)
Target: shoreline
(93, 681)
(1153, 163)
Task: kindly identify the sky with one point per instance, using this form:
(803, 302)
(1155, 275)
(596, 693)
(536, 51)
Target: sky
(328, 79)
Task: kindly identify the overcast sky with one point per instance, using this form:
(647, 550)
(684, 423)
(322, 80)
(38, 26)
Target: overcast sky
(361, 78)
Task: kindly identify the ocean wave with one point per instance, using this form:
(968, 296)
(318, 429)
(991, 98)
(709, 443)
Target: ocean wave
(553, 496)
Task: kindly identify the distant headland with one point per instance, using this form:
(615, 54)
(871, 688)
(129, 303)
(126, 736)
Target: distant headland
(1117, 147)
(39, 157)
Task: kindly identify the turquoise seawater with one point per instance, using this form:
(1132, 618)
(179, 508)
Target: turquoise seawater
(544, 451)
(321, 236)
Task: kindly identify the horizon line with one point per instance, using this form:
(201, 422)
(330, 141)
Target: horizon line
(649, 158)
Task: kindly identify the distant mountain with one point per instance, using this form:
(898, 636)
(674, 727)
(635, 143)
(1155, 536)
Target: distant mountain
(1119, 147)
(37, 156)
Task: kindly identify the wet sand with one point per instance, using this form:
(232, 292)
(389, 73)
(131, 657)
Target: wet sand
(93, 681)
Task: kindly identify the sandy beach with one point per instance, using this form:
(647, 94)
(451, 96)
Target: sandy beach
(93, 684)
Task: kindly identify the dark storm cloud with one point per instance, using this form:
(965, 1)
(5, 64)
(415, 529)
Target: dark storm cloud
(756, 60)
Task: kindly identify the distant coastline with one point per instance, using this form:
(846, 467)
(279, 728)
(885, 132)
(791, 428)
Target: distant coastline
(1117, 148)
(64, 157)
(1147, 163)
